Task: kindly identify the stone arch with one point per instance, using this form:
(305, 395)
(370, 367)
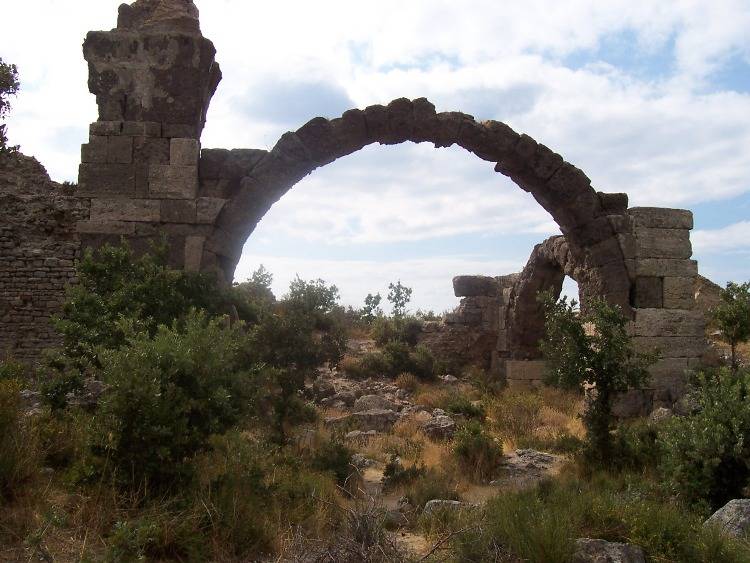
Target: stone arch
(587, 218)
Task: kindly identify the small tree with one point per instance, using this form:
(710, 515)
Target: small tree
(592, 349)
(732, 317)
(399, 295)
(372, 307)
(9, 86)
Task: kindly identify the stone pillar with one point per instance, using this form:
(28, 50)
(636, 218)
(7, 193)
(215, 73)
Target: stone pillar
(153, 77)
(666, 317)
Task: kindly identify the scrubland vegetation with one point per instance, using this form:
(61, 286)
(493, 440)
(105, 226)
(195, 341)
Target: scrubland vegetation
(206, 443)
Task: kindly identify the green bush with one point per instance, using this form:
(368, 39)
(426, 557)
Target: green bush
(116, 286)
(167, 395)
(11, 369)
(400, 329)
(396, 475)
(542, 523)
(707, 455)
(334, 457)
(476, 451)
(460, 404)
(429, 486)
(396, 358)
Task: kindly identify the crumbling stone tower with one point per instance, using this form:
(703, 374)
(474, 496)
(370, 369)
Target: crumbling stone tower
(153, 77)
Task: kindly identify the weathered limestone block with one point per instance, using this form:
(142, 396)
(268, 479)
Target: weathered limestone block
(194, 253)
(661, 218)
(173, 181)
(106, 227)
(95, 151)
(120, 150)
(144, 210)
(208, 209)
(600, 551)
(649, 291)
(672, 346)
(668, 322)
(678, 293)
(525, 369)
(472, 286)
(665, 267)
(178, 210)
(141, 128)
(184, 152)
(106, 179)
(664, 243)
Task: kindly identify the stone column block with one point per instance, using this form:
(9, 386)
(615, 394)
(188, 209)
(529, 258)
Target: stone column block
(668, 322)
(120, 150)
(95, 151)
(139, 210)
(194, 253)
(173, 182)
(661, 218)
(664, 243)
(678, 293)
(648, 292)
(208, 209)
(184, 152)
(106, 179)
(177, 211)
(666, 267)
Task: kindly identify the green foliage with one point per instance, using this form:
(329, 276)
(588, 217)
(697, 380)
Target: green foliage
(732, 316)
(542, 523)
(11, 369)
(428, 486)
(253, 297)
(118, 293)
(396, 358)
(371, 309)
(402, 329)
(399, 296)
(707, 455)
(9, 86)
(603, 356)
(396, 475)
(476, 451)
(335, 457)
(461, 404)
(167, 395)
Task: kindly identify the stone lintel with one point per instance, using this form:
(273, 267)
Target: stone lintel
(661, 218)
(140, 210)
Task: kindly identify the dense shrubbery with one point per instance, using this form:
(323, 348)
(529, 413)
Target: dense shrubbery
(394, 359)
(18, 452)
(707, 455)
(399, 329)
(476, 451)
(592, 348)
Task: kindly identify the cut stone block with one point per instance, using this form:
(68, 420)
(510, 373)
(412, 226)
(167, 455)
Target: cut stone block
(143, 210)
(678, 293)
(184, 152)
(209, 209)
(152, 150)
(194, 253)
(471, 286)
(663, 243)
(525, 369)
(178, 211)
(184, 131)
(668, 322)
(105, 128)
(141, 128)
(661, 218)
(664, 267)
(648, 292)
(105, 227)
(672, 346)
(95, 151)
(120, 150)
(106, 179)
(173, 182)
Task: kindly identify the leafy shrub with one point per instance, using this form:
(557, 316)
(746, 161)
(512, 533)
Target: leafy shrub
(11, 369)
(592, 347)
(460, 404)
(396, 358)
(484, 381)
(396, 475)
(476, 451)
(401, 329)
(732, 317)
(707, 455)
(335, 457)
(636, 446)
(167, 395)
(114, 285)
(432, 485)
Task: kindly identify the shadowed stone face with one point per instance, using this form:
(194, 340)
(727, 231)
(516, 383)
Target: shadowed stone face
(175, 15)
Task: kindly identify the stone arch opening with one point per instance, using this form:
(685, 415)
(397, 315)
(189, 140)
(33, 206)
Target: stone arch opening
(253, 182)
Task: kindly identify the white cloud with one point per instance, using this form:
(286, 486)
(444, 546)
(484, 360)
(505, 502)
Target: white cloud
(732, 238)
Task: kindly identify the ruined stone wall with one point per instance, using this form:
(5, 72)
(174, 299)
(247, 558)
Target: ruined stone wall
(38, 247)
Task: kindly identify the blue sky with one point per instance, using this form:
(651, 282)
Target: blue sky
(651, 98)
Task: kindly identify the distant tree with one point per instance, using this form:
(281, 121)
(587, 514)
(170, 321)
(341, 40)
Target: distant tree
(254, 296)
(399, 296)
(372, 307)
(732, 316)
(9, 86)
(592, 348)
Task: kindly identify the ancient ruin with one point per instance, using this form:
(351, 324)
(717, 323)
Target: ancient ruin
(144, 177)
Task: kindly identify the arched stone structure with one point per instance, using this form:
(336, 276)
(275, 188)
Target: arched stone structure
(143, 177)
